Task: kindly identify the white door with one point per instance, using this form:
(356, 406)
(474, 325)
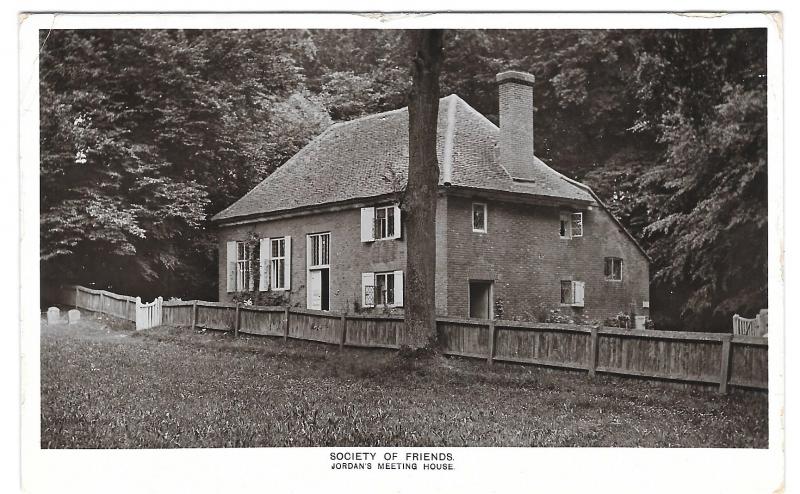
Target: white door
(315, 289)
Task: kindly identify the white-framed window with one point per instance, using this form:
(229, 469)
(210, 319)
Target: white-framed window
(239, 266)
(380, 223)
(613, 269)
(384, 222)
(382, 289)
(277, 263)
(319, 250)
(572, 293)
(570, 225)
(479, 220)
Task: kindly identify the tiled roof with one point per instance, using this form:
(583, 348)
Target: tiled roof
(368, 157)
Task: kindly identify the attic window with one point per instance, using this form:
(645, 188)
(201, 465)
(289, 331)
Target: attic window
(613, 269)
(570, 225)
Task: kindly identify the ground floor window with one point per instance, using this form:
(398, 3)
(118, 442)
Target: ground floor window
(242, 266)
(572, 293)
(384, 288)
(278, 263)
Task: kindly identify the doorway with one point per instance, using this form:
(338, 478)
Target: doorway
(319, 289)
(480, 300)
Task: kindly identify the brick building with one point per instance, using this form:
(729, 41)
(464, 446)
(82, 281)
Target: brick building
(514, 237)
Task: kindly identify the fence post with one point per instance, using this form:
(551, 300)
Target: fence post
(593, 352)
(136, 311)
(286, 324)
(725, 365)
(492, 337)
(344, 331)
(194, 314)
(77, 290)
(236, 322)
(101, 303)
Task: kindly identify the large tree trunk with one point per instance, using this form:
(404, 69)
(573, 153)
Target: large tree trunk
(420, 197)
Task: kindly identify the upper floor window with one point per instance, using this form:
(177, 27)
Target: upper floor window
(613, 268)
(384, 222)
(570, 225)
(479, 217)
(319, 250)
(381, 223)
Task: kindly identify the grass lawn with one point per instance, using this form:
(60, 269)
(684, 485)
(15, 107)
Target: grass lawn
(105, 385)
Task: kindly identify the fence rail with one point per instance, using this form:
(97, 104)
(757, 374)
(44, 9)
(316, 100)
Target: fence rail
(711, 358)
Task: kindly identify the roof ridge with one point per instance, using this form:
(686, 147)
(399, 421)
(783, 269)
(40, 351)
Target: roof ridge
(382, 114)
(475, 111)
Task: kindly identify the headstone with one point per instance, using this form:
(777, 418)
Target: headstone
(53, 316)
(74, 316)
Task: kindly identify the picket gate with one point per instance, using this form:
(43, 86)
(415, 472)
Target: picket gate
(148, 315)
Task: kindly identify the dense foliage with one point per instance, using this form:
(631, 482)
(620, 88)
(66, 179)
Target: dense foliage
(146, 134)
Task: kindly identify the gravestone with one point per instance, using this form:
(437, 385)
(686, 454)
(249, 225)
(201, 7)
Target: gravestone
(53, 316)
(74, 316)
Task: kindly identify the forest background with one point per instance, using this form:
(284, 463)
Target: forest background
(146, 134)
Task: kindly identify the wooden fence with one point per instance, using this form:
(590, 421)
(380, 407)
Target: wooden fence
(712, 358)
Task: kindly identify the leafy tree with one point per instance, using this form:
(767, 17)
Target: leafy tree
(146, 134)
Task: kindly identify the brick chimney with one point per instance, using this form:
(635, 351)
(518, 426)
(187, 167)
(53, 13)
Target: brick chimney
(516, 124)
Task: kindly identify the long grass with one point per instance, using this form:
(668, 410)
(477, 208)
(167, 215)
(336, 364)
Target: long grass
(105, 385)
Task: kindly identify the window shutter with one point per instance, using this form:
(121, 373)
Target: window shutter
(607, 269)
(397, 222)
(398, 288)
(577, 291)
(367, 280)
(231, 264)
(287, 263)
(264, 251)
(367, 224)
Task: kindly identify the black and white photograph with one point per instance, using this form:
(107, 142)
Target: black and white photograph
(403, 245)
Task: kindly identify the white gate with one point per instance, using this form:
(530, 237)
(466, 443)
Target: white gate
(148, 315)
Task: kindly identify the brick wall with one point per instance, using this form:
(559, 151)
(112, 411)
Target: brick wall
(521, 253)
(349, 257)
(526, 259)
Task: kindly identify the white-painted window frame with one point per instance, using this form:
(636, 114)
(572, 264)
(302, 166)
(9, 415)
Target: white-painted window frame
(384, 223)
(569, 218)
(610, 276)
(576, 288)
(277, 264)
(388, 288)
(485, 228)
(312, 264)
(244, 276)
